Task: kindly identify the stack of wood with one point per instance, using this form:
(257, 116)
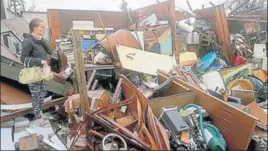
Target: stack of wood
(241, 48)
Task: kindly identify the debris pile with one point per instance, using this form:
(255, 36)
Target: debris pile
(147, 87)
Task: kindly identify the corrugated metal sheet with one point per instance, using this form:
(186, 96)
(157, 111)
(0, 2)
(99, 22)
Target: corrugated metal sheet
(61, 21)
(18, 26)
(110, 19)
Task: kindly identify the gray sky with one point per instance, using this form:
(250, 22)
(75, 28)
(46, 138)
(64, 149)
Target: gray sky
(112, 5)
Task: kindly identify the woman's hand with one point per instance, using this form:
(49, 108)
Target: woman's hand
(43, 62)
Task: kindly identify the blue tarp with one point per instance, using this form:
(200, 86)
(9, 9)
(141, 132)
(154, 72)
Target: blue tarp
(87, 44)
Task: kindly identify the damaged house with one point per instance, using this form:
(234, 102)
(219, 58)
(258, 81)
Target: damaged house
(155, 78)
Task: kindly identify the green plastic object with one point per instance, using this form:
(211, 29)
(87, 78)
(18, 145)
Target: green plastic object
(216, 142)
(210, 133)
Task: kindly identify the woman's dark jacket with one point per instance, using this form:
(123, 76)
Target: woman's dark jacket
(35, 49)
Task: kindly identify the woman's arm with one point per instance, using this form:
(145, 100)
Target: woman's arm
(26, 54)
(47, 46)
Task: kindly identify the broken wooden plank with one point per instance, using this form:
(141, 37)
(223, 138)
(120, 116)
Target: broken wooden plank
(172, 14)
(117, 90)
(22, 106)
(13, 95)
(80, 71)
(91, 79)
(28, 111)
(94, 84)
(89, 67)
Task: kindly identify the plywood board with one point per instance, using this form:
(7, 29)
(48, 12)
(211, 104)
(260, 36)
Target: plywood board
(247, 96)
(143, 61)
(258, 112)
(13, 95)
(179, 100)
(22, 106)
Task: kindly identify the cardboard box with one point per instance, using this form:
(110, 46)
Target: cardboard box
(235, 125)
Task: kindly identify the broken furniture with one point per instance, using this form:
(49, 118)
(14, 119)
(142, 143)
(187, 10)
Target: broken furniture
(127, 119)
(217, 109)
(22, 112)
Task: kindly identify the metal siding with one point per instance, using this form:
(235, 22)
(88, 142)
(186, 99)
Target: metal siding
(116, 20)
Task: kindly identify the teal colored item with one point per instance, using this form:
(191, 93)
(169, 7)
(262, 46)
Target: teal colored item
(166, 46)
(210, 133)
(207, 60)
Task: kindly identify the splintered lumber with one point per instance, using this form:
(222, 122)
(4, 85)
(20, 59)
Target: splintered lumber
(80, 72)
(28, 111)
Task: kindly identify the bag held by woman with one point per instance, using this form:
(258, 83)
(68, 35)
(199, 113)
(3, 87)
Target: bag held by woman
(33, 74)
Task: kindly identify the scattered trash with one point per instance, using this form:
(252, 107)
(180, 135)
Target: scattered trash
(169, 81)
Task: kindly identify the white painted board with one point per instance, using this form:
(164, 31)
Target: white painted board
(264, 63)
(212, 80)
(259, 50)
(143, 61)
(6, 139)
(150, 20)
(81, 24)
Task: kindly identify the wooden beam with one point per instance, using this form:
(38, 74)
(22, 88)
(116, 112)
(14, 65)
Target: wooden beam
(173, 24)
(106, 36)
(23, 112)
(189, 5)
(117, 90)
(135, 30)
(212, 4)
(80, 72)
(223, 31)
(94, 84)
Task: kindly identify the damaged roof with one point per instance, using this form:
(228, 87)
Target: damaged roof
(17, 25)
(4, 28)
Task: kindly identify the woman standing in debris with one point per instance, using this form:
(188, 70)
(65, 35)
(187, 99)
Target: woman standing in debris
(35, 50)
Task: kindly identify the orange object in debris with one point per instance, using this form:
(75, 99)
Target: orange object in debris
(121, 37)
(185, 137)
(261, 74)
